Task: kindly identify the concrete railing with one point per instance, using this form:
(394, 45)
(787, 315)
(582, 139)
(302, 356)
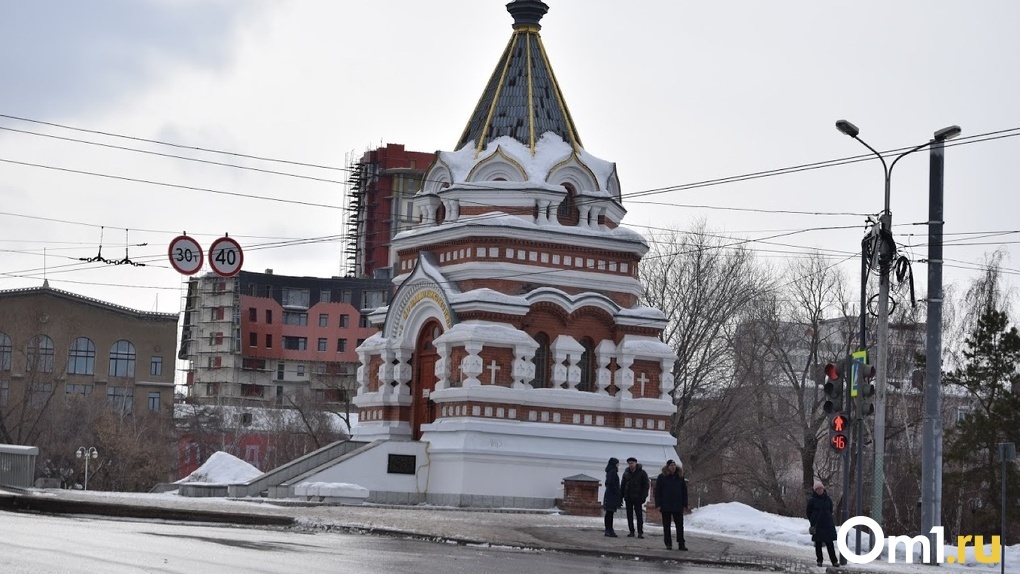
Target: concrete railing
(296, 467)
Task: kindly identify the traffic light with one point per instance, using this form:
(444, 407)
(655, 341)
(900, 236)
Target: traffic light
(839, 429)
(866, 392)
(833, 388)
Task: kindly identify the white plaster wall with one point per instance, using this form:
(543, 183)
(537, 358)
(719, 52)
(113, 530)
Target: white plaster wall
(368, 469)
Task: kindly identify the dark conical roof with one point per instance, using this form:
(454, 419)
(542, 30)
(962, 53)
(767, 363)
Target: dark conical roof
(522, 99)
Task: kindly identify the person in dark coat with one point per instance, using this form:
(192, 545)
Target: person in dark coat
(634, 485)
(613, 498)
(671, 500)
(823, 529)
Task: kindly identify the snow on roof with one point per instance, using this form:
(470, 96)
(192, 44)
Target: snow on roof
(499, 219)
(222, 468)
(550, 151)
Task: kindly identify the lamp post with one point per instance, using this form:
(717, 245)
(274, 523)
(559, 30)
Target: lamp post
(88, 453)
(886, 251)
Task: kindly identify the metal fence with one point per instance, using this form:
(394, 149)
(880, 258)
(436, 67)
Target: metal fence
(17, 465)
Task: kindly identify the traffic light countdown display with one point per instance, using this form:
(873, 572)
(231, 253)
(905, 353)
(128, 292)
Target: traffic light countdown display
(838, 428)
(839, 423)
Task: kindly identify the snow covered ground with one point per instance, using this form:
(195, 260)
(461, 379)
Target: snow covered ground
(751, 532)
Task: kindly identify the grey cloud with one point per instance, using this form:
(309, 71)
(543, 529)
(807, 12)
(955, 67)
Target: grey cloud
(61, 57)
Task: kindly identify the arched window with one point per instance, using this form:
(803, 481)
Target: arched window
(5, 352)
(81, 359)
(541, 361)
(587, 365)
(40, 354)
(122, 359)
(567, 213)
(440, 214)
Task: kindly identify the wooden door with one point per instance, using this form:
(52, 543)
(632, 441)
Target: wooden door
(423, 380)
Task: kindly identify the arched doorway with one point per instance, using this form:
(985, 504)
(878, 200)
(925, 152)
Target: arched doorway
(423, 379)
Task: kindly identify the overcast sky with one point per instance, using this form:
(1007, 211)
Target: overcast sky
(674, 92)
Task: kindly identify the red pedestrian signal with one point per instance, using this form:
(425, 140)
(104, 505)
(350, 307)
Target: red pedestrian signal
(838, 429)
(833, 389)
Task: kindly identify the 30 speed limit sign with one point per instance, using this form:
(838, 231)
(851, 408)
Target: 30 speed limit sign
(225, 257)
(186, 255)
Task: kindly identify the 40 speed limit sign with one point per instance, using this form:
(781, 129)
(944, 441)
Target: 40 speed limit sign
(186, 255)
(226, 257)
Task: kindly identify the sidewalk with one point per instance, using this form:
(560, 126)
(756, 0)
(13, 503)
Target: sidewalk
(508, 528)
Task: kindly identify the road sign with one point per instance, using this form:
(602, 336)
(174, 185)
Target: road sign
(185, 255)
(225, 257)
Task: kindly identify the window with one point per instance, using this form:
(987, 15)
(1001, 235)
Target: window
(215, 339)
(292, 318)
(323, 320)
(361, 342)
(156, 366)
(541, 360)
(279, 371)
(324, 296)
(567, 212)
(269, 340)
(120, 398)
(40, 354)
(81, 358)
(587, 365)
(345, 321)
(322, 345)
(363, 321)
(75, 389)
(300, 370)
(253, 314)
(246, 419)
(295, 343)
(215, 362)
(5, 392)
(153, 402)
(320, 369)
(5, 352)
(217, 313)
(341, 345)
(212, 389)
(253, 364)
(269, 316)
(345, 296)
(122, 359)
(295, 297)
(373, 299)
(253, 339)
(41, 393)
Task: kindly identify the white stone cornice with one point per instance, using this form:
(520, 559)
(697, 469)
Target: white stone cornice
(555, 399)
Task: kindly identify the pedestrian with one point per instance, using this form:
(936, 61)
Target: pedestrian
(671, 500)
(612, 499)
(634, 485)
(823, 529)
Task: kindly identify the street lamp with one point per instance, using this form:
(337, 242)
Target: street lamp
(88, 453)
(886, 251)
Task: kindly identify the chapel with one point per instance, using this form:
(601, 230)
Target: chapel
(515, 351)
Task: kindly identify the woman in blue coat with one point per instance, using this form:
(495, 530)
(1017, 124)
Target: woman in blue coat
(823, 529)
(613, 498)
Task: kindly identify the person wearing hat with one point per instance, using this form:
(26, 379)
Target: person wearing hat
(634, 485)
(823, 528)
(612, 499)
(671, 500)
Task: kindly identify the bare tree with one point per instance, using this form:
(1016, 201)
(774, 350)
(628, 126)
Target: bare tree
(703, 283)
(807, 321)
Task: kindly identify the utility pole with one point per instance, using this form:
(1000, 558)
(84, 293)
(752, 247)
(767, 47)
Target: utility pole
(886, 253)
(931, 438)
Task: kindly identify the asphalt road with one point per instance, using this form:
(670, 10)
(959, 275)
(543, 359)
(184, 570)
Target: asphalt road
(34, 543)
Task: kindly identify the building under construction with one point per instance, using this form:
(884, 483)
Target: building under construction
(380, 204)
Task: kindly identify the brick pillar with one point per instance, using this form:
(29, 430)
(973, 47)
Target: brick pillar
(581, 496)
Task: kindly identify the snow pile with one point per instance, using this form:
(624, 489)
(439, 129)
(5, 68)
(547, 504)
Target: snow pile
(222, 468)
(743, 521)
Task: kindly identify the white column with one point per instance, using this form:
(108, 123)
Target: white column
(386, 372)
(402, 371)
(625, 376)
(471, 365)
(524, 368)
